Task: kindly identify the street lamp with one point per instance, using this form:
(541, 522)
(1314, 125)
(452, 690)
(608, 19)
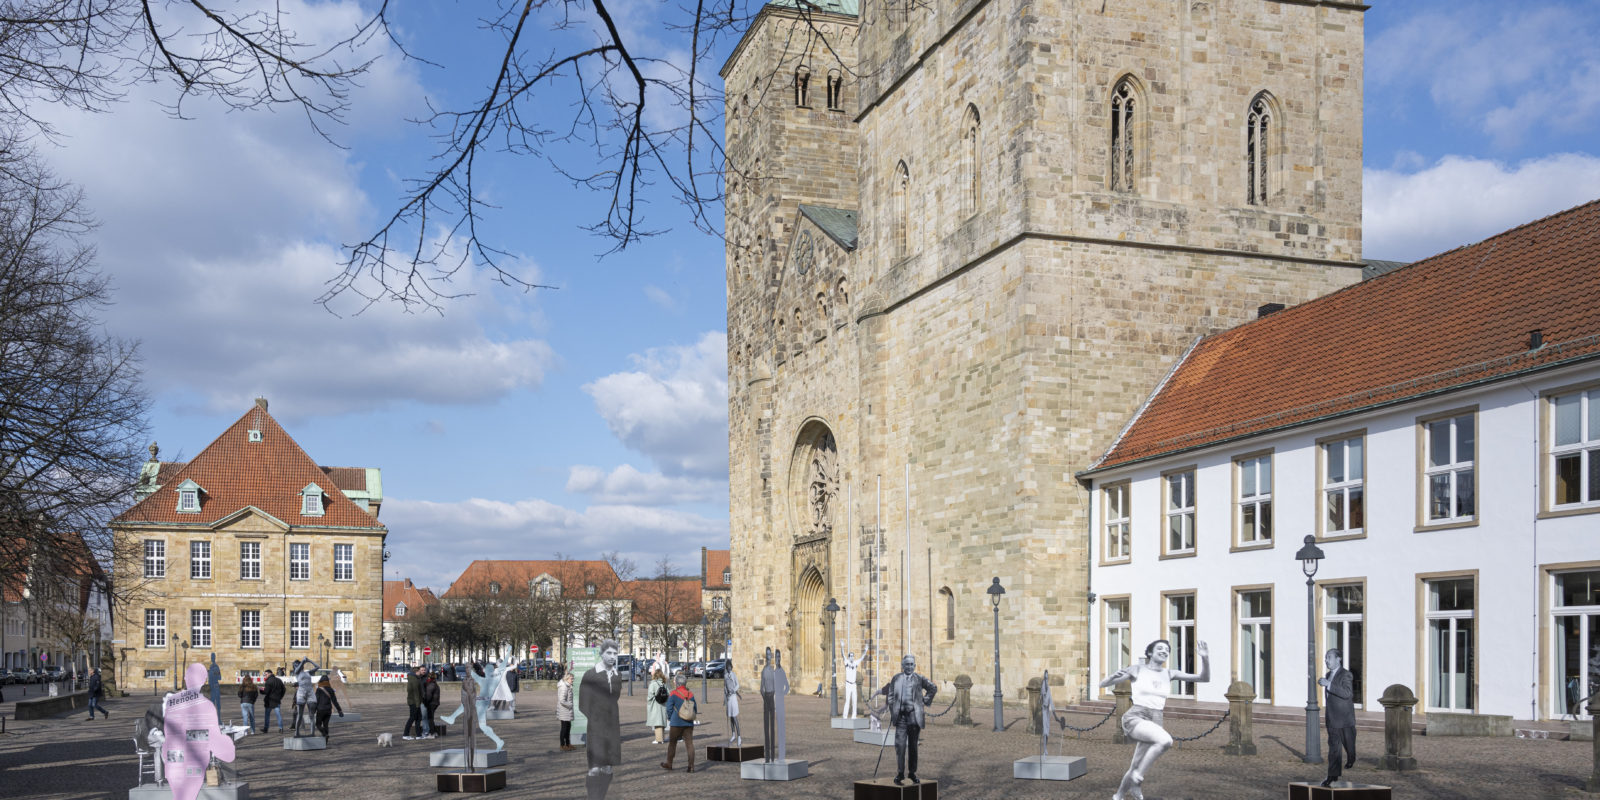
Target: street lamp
(705, 654)
(830, 612)
(185, 661)
(1309, 556)
(175, 641)
(995, 591)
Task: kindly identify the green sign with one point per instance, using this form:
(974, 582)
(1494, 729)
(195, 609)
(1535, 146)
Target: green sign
(583, 660)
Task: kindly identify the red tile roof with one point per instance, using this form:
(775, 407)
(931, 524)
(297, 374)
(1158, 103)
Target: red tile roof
(235, 473)
(1459, 318)
(670, 602)
(714, 563)
(416, 598)
(513, 576)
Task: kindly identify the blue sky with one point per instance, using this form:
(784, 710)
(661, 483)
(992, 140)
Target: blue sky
(592, 417)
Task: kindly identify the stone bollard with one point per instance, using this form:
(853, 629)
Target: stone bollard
(1035, 705)
(1594, 713)
(963, 700)
(1241, 719)
(1124, 694)
(1397, 701)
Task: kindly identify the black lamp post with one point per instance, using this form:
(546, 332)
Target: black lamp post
(995, 592)
(1309, 556)
(175, 641)
(830, 612)
(705, 654)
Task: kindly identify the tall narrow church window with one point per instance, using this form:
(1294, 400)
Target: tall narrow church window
(949, 613)
(1258, 151)
(971, 175)
(1122, 137)
(802, 82)
(835, 90)
(900, 212)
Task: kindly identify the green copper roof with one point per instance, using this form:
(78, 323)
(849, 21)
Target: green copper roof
(849, 8)
(839, 224)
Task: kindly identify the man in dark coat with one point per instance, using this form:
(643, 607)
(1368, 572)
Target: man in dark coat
(271, 698)
(597, 699)
(430, 703)
(908, 693)
(514, 680)
(414, 705)
(1340, 715)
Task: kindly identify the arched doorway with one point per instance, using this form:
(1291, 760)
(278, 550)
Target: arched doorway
(810, 639)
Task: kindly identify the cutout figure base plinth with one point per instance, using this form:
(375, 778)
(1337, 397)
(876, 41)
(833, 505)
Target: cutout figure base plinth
(788, 769)
(850, 723)
(305, 743)
(1340, 790)
(730, 753)
(349, 716)
(457, 758)
(502, 713)
(1049, 768)
(475, 782)
(875, 738)
(885, 789)
(155, 791)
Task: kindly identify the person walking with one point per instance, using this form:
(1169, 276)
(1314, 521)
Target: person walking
(655, 705)
(414, 705)
(97, 691)
(564, 710)
(247, 702)
(430, 704)
(326, 704)
(271, 697)
(681, 720)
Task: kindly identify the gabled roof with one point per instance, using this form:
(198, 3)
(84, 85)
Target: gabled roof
(1459, 318)
(513, 576)
(416, 598)
(713, 563)
(667, 601)
(236, 473)
(838, 223)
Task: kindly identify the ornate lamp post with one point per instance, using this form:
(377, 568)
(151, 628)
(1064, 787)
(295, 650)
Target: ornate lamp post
(1309, 556)
(830, 613)
(995, 592)
(175, 685)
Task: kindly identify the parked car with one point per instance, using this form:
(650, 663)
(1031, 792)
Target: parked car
(674, 667)
(716, 668)
(696, 668)
(7, 677)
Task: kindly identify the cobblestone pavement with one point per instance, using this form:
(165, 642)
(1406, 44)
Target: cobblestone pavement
(70, 757)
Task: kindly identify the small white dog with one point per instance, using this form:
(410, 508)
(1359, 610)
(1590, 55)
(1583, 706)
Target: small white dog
(386, 740)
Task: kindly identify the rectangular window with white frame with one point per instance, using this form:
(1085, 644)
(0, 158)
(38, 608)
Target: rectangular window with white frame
(1118, 522)
(1254, 480)
(1449, 449)
(344, 562)
(200, 627)
(155, 674)
(344, 629)
(1576, 650)
(200, 560)
(1452, 645)
(1344, 508)
(1253, 610)
(1178, 488)
(1180, 634)
(155, 627)
(249, 560)
(299, 561)
(155, 558)
(1574, 450)
(1344, 622)
(250, 628)
(1118, 634)
(299, 629)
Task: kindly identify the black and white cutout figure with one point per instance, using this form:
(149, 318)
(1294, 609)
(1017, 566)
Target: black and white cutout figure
(1340, 714)
(730, 698)
(305, 689)
(597, 699)
(769, 711)
(852, 666)
(908, 694)
(780, 701)
(1152, 682)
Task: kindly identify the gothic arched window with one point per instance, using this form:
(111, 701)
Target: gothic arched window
(971, 175)
(1258, 151)
(802, 85)
(900, 212)
(835, 90)
(1124, 150)
(949, 613)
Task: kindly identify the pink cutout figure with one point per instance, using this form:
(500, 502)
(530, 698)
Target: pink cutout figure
(193, 736)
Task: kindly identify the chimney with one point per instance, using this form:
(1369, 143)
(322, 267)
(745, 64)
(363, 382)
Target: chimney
(261, 402)
(1266, 309)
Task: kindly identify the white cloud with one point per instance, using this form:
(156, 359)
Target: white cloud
(1461, 200)
(661, 297)
(441, 539)
(628, 485)
(673, 408)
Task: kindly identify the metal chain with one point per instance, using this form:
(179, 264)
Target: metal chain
(1179, 739)
(1062, 721)
(945, 711)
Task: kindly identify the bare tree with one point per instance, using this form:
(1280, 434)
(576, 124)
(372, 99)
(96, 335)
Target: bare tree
(667, 607)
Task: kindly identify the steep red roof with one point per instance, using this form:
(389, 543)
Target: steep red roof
(513, 576)
(714, 562)
(416, 598)
(1458, 318)
(234, 473)
(657, 602)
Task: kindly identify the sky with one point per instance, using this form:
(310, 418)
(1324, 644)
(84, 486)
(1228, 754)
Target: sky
(592, 417)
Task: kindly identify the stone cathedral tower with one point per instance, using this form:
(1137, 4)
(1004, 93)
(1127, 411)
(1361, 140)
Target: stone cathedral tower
(966, 238)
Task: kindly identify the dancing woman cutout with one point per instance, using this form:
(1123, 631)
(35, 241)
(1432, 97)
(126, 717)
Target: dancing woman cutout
(1151, 683)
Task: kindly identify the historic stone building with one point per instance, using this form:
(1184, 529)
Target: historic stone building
(965, 239)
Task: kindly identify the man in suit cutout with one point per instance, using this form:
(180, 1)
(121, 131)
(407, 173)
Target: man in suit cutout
(907, 694)
(1340, 714)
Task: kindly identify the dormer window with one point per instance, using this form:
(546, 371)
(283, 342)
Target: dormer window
(494, 588)
(727, 575)
(399, 609)
(589, 589)
(189, 497)
(255, 436)
(311, 501)
(544, 588)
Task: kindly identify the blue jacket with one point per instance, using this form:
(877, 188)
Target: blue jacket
(674, 702)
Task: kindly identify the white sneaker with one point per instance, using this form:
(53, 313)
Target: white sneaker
(409, 738)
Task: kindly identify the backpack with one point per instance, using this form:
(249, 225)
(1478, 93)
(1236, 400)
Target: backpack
(686, 712)
(661, 695)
